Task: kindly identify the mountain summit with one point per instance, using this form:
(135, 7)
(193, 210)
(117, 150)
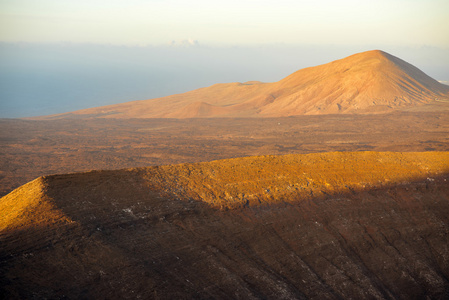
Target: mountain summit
(367, 82)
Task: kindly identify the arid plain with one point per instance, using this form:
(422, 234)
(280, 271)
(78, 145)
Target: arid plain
(35, 148)
(332, 183)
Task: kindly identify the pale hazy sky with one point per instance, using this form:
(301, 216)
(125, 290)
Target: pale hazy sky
(230, 22)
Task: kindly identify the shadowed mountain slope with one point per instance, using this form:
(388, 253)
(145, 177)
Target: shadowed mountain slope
(317, 226)
(368, 82)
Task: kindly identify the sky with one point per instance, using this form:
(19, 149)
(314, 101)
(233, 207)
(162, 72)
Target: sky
(62, 55)
(231, 22)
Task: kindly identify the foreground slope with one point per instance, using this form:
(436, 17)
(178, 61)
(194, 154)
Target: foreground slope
(368, 82)
(319, 226)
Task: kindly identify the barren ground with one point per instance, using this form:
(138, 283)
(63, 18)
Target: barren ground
(353, 225)
(30, 149)
(251, 228)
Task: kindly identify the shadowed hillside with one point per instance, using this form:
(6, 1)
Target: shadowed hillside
(317, 226)
(368, 82)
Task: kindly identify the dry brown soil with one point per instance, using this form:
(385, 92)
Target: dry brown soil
(341, 225)
(30, 149)
(360, 225)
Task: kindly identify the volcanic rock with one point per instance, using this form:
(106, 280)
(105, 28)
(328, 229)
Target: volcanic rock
(317, 226)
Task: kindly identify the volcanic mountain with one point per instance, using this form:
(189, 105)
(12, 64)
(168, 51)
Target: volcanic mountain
(339, 225)
(368, 82)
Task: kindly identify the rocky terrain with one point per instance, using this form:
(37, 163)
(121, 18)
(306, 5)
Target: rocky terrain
(329, 184)
(367, 82)
(35, 148)
(318, 226)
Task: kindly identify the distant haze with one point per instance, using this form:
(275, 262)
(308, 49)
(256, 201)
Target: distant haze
(42, 79)
(242, 22)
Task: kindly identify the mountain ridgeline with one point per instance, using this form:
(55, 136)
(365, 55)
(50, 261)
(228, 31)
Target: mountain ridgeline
(360, 225)
(368, 82)
(326, 225)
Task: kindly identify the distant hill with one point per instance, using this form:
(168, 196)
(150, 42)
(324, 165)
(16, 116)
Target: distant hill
(316, 226)
(368, 82)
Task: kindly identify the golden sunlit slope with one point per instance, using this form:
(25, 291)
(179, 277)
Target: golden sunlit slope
(365, 82)
(368, 82)
(29, 206)
(236, 182)
(271, 179)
